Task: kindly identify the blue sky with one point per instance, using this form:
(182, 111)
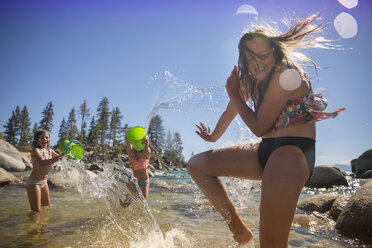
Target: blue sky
(68, 51)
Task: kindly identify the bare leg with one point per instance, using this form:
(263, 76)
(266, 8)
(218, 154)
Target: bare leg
(283, 179)
(237, 161)
(34, 197)
(143, 175)
(45, 200)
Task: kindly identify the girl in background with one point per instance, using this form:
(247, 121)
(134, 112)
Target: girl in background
(42, 158)
(139, 162)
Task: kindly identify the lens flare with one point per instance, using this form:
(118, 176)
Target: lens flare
(346, 25)
(290, 79)
(348, 3)
(246, 9)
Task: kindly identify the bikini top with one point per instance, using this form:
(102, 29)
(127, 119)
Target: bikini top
(46, 153)
(141, 161)
(303, 109)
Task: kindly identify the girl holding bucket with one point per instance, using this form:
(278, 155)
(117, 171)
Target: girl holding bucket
(43, 158)
(138, 149)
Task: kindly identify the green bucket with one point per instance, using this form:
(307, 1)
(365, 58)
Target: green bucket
(136, 135)
(73, 149)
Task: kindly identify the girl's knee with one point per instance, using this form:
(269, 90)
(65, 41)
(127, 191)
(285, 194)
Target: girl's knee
(194, 164)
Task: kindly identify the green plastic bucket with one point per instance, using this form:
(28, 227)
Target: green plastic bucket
(136, 135)
(73, 149)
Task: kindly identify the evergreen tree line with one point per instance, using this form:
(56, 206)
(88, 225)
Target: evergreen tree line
(106, 130)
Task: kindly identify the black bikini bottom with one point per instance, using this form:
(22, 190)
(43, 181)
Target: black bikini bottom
(269, 145)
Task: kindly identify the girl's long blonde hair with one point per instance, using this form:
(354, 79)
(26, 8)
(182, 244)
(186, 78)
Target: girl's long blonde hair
(301, 35)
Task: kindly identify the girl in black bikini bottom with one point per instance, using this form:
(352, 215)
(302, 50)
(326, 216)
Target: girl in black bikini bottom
(269, 145)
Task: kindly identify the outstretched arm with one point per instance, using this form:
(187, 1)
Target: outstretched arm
(44, 162)
(227, 116)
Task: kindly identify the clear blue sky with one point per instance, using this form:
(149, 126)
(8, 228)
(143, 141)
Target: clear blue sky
(68, 51)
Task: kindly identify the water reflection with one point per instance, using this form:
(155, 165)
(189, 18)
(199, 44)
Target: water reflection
(36, 229)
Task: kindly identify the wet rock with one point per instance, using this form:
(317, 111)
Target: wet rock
(356, 219)
(326, 177)
(367, 174)
(7, 178)
(11, 159)
(338, 205)
(319, 203)
(309, 221)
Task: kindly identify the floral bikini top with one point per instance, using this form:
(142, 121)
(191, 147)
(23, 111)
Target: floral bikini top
(139, 163)
(308, 108)
(46, 153)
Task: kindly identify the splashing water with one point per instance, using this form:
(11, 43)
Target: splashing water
(115, 185)
(171, 93)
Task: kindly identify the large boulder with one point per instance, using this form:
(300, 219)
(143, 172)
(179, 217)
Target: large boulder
(7, 178)
(11, 159)
(356, 219)
(326, 177)
(320, 203)
(363, 163)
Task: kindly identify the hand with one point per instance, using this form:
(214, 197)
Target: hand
(204, 132)
(233, 83)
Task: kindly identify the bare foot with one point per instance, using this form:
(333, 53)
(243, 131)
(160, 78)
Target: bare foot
(243, 236)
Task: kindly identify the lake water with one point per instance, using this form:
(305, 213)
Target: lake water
(176, 215)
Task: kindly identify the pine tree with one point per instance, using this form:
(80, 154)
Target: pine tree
(178, 148)
(46, 121)
(17, 123)
(169, 152)
(34, 129)
(156, 133)
(63, 132)
(115, 126)
(84, 115)
(92, 138)
(72, 130)
(10, 134)
(25, 128)
(124, 131)
(103, 115)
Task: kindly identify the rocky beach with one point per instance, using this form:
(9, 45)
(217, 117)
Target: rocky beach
(334, 210)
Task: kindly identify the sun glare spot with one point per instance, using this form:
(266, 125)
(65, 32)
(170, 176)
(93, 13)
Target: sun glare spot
(246, 9)
(348, 3)
(346, 25)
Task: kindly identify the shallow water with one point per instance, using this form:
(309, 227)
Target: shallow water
(181, 218)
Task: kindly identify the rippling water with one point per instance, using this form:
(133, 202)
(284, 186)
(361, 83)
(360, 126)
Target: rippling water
(177, 215)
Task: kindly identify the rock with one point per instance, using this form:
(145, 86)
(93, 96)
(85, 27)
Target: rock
(338, 205)
(356, 219)
(309, 221)
(11, 159)
(363, 163)
(326, 177)
(7, 178)
(353, 165)
(319, 203)
(367, 174)
(11, 164)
